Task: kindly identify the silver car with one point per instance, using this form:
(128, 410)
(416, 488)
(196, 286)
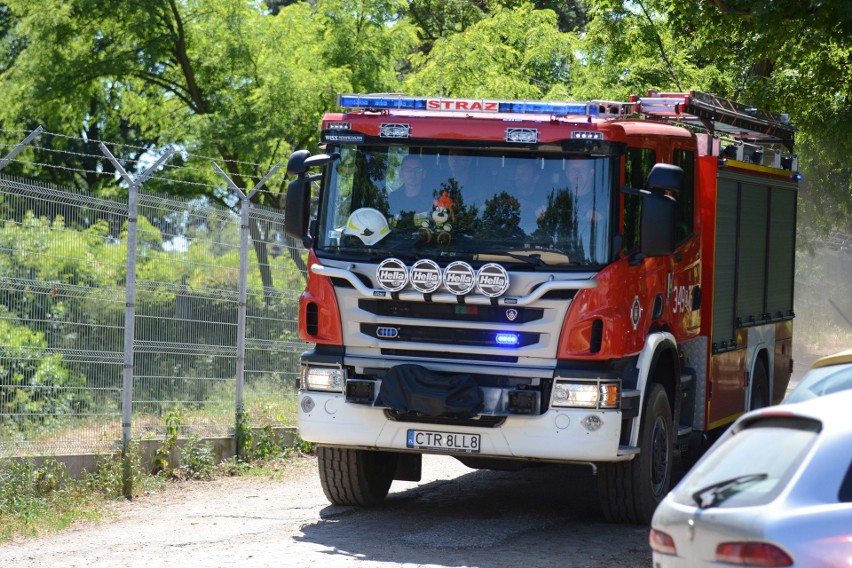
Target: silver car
(774, 490)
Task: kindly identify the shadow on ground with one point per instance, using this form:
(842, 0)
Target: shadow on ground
(542, 516)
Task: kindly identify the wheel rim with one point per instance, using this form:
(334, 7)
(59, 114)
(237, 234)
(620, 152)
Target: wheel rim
(659, 457)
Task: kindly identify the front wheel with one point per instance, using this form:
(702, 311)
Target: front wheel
(353, 477)
(631, 490)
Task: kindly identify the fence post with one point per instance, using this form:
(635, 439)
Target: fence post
(130, 308)
(245, 202)
(20, 147)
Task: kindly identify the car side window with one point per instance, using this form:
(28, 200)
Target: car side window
(845, 494)
(685, 209)
(637, 165)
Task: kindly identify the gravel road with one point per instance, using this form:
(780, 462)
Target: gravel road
(455, 517)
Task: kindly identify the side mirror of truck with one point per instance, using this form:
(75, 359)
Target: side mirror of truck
(301, 161)
(296, 164)
(658, 210)
(658, 225)
(297, 205)
(666, 177)
(297, 208)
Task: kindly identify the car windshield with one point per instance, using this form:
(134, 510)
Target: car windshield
(746, 468)
(822, 381)
(522, 209)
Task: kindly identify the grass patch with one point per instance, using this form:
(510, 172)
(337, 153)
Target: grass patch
(41, 499)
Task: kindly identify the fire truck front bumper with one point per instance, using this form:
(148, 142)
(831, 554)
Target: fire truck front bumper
(560, 435)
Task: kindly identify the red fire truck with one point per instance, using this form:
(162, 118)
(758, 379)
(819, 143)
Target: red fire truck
(515, 282)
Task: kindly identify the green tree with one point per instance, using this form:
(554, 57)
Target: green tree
(217, 78)
(35, 385)
(516, 53)
(790, 56)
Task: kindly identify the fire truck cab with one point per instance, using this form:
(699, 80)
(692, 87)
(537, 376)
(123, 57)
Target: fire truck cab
(516, 282)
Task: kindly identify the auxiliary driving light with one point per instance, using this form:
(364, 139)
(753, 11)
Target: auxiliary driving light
(323, 379)
(307, 404)
(591, 422)
(590, 394)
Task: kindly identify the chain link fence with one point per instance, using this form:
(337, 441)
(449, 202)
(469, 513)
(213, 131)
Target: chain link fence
(64, 305)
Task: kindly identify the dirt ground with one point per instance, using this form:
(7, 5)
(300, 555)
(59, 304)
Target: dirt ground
(455, 517)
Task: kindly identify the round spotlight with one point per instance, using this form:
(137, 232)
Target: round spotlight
(591, 422)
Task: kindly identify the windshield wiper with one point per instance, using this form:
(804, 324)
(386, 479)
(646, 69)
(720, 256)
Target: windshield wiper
(373, 254)
(534, 259)
(714, 494)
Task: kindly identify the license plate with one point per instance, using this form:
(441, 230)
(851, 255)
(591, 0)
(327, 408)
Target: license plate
(443, 441)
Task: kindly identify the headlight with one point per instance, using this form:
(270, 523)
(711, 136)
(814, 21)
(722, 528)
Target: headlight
(323, 379)
(592, 394)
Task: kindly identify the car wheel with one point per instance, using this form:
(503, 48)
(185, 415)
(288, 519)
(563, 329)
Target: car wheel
(355, 477)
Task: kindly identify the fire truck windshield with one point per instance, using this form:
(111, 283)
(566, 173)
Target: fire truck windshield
(473, 204)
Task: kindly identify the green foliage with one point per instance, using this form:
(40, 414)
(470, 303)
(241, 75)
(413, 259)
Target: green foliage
(37, 499)
(511, 53)
(26, 492)
(197, 460)
(35, 386)
(356, 37)
(243, 434)
(23, 482)
(172, 423)
(268, 445)
(303, 447)
(108, 479)
(196, 457)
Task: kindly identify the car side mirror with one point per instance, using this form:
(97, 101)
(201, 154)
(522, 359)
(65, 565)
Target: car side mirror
(297, 204)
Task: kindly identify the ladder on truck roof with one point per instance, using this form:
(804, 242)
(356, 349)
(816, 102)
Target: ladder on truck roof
(715, 114)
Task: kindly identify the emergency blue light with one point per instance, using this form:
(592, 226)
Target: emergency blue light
(390, 101)
(381, 102)
(507, 339)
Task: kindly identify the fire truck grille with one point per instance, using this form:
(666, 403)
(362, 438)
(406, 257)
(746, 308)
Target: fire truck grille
(451, 312)
(479, 422)
(450, 355)
(447, 335)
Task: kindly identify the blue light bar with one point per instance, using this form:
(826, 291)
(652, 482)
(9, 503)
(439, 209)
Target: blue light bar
(507, 339)
(400, 102)
(381, 102)
(555, 108)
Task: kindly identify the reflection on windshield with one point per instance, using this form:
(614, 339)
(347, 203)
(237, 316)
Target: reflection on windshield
(464, 203)
(747, 468)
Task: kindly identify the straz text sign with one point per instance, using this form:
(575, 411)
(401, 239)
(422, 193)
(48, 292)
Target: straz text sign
(469, 105)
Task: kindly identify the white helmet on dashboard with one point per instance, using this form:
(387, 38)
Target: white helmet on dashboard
(368, 225)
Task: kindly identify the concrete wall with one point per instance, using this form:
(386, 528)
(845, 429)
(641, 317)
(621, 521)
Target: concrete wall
(223, 449)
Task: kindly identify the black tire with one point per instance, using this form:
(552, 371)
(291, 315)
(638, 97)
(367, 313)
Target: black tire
(631, 490)
(759, 386)
(360, 478)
